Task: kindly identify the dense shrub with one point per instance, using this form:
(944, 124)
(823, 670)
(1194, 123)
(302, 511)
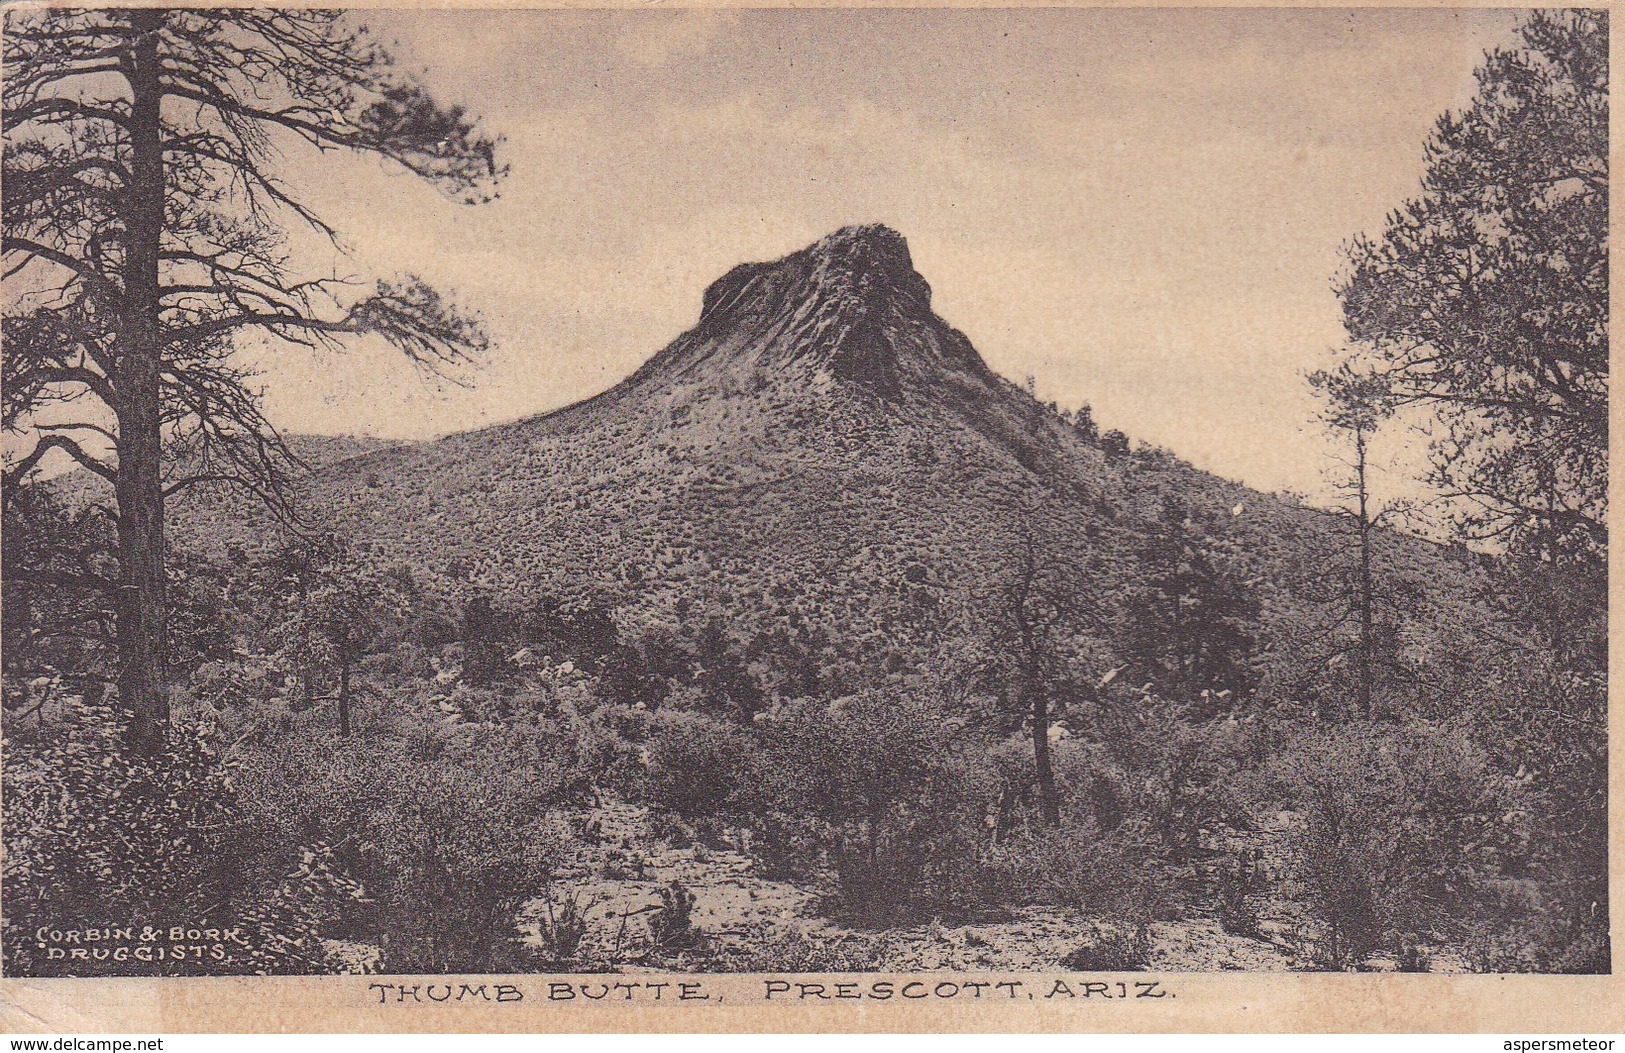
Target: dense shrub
(447, 830)
(1404, 832)
(1078, 866)
(1191, 622)
(97, 837)
(582, 630)
(1548, 734)
(892, 794)
(643, 671)
(695, 762)
(1156, 760)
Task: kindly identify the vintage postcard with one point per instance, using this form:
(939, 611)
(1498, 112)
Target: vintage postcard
(819, 519)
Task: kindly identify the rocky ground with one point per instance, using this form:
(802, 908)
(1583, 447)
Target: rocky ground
(618, 895)
(636, 900)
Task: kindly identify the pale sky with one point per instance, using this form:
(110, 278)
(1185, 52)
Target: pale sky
(1141, 208)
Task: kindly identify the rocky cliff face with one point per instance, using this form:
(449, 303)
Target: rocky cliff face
(849, 307)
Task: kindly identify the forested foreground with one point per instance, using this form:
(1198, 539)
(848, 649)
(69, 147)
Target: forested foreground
(813, 645)
(362, 776)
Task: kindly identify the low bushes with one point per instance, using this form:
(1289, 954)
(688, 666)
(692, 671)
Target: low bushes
(98, 837)
(695, 763)
(896, 800)
(447, 831)
(1404, 831)
(450, 807)
(1112, 950)
(874, 790)
(1113, 874)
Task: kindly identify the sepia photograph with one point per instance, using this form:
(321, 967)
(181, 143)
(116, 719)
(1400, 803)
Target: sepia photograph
(633, 495)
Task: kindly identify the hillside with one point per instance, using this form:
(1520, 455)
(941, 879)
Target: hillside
(821, 457)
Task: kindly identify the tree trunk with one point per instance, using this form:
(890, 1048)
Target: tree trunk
(1030, 672)
(344, 697)
(142, 610)
(1049, 803)
(1366, 619)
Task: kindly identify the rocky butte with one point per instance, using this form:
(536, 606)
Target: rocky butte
(849, 306)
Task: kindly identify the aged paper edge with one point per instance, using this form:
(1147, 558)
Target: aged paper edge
(1188, 1002)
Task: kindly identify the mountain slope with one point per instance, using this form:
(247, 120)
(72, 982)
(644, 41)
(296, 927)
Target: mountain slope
(821, 458)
